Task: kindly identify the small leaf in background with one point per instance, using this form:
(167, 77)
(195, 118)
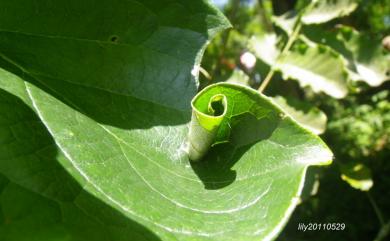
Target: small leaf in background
(316, 66)
(286, 21)
(305, 114)
(239, 77)
(357, 175)
(313, 65)
(366, 58)
(316, 12)
(371, 60)
(321, 11)
(265, 48)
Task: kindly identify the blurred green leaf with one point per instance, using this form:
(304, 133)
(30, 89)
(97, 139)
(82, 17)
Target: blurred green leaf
(265, 48)
(371, 60)
(239, 77)
(313, 65)
(316, 66)
(357, 175)
(316, 12)
(321, 11)
(286, 21)
(367, 60)
(303, 112)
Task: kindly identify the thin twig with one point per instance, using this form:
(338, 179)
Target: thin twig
(383, 232)
(376, 209)
(266, 80)
(286, 48)
(204, 72)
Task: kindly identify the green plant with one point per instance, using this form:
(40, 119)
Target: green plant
(100, 140)
(332, 60)
(317, 44)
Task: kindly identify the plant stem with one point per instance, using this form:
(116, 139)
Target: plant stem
(376, 209)
(383, 232)
(266, 80)
(286, 48)
(292, 38)
(385, 227)
(205, 73)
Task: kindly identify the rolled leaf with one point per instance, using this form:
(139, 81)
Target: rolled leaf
(204, 124)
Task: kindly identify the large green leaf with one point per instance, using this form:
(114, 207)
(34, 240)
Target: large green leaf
(137, 168)
(27, 152)
(28, 216)
(39, 199)
(285, 161)
(130, 48)
(112, 83)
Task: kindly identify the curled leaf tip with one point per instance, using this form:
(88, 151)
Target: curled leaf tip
(205, 123)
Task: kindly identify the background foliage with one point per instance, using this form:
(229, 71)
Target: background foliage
(354, 189)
